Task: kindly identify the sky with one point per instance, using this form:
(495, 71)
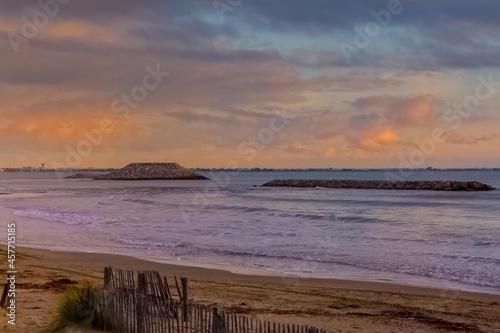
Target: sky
(250, 83)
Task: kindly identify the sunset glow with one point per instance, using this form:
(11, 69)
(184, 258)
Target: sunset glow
(231, 71)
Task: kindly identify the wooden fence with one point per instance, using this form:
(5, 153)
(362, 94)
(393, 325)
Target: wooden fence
(4, 300)
(123, 306)
(122, 313)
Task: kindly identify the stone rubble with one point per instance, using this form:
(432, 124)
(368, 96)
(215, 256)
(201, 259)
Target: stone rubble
(151, 171)
(383, 185)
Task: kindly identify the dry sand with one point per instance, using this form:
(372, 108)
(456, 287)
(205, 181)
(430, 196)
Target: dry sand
(336, 305)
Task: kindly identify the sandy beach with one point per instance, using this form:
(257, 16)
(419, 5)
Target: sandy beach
(299, 166)
(336, 305)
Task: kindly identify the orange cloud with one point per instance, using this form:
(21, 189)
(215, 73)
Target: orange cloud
(387, 135)
(48, 129)
(82, 30)
(8, 25)
(375, 139)
(420, 110)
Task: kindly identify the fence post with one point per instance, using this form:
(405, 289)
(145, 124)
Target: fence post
(218, 322)
(185, 299)
(107, 277)
(141, 293)
(4, 295)
(215, 321)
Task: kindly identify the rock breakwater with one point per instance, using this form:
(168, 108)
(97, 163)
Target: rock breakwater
(383, 185)
(151, 171)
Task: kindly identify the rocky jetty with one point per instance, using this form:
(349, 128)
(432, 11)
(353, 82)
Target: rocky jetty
(151, 171)
(383, 185)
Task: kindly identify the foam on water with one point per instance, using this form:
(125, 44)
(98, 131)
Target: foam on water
(66, 218)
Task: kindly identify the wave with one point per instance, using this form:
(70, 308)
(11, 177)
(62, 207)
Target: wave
(62, 217)
(484, 243)
(153, 243)
(461, 200)
(360, 219)
(486, 260)
(470, 276)
(306, 216)
(144, 202)
(318, 260)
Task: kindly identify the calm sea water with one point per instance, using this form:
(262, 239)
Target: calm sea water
(441, 239)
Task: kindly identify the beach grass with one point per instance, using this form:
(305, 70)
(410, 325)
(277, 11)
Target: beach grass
(74, 308)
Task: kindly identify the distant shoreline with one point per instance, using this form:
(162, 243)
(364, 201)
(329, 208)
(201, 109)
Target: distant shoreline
(98, 170)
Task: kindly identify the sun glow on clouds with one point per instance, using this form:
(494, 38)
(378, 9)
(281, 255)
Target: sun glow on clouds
(48, 129)
(387, 135)
(229, 78)
(375, 141)
(89, 32)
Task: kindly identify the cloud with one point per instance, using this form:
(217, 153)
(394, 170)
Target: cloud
(229, 77)
(457, 139)
(398, 111)
(324, 15)
(302, 150)
(54, 131)
(370, 132)
(378, 121)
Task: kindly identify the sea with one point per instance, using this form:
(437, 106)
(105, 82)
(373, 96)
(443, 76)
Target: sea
(447, 240)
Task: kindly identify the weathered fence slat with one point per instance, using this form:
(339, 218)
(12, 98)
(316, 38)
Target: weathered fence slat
(185, 299)
(143, 303)
(3, 301)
